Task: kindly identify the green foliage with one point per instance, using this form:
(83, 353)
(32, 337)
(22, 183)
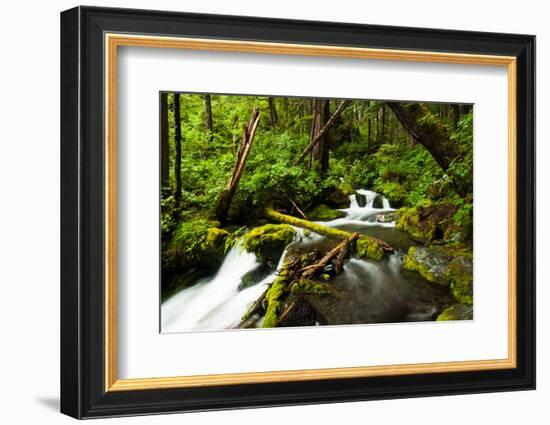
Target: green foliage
(198, 239)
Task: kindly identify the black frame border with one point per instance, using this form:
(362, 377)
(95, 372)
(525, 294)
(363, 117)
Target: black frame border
(82, 212)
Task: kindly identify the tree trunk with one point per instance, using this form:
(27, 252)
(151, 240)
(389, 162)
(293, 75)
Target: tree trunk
(164, 145)
(323, 131)
(431, 134)
(455, 115)
(320, 152)
(208, 116)
(382, 123)
(177, 160)
(369, 126)
(319, 228)
(224, 202)
(272, 112)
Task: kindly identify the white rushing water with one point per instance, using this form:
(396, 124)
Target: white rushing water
(216, 302)
(365, 215)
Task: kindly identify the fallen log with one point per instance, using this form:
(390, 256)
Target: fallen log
(226, 196)
(340, 250)
(372, 248)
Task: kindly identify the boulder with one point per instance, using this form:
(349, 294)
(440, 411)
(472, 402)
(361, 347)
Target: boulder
(378, 202)
(457, 312)
(268, 242)
(254, 276)
(427, 224)
(387, 217)
(361, 199)
(324, 213)
(444, 266)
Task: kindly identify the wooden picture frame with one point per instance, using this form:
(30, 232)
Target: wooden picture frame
(90, 38)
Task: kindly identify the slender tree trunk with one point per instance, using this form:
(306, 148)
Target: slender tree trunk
(224, 202)
(369, 126)
(455, 115)
(320, 152)
(164, 145)
(208, 116)
(383, 122)
(177, 160)
(316, 139)
(272, 112)
(431, 134)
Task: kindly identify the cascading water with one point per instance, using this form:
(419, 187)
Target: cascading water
(216, 302)
(375, 291)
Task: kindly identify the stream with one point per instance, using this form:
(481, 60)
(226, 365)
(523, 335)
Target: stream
(367, 291)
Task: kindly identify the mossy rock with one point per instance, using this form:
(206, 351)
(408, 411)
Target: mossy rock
(324, 213)
(457, 312)
(450, 267)
(460, 275)
(367, 248)
(339, 198)
(253, 276)
(427, 224)
(198, 242)
(272, 301)
(268, 242)
(430, 262)
(181, 281)
(306, 286)
(298, 311)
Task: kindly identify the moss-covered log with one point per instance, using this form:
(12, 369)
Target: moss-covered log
(376, 247)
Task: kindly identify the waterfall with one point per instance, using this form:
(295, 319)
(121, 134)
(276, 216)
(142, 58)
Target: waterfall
(216, 302)
(195, 307)
(366, 215)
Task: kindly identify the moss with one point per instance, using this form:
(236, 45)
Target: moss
(372, 249)
(324, 213)
(428, 223)
(409, 221)
(460, 275)
(448, 266)
(456, 312)
(410, 264)
(306, 224)
(268, 242)
(369, 249)
(272, 302)
(198, 242)
(306, 286)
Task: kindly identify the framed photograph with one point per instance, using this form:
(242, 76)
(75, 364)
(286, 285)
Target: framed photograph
(261, 212)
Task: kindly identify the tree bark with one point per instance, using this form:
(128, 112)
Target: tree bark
(272, 112)
(224, 202)
(455, 115)
(164, 142)
(319, 228)
(323, 131)
(177, 160)
(208, 116)
(342, 247)
(320, 152)
(431, 134)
